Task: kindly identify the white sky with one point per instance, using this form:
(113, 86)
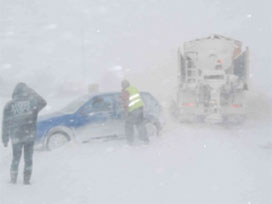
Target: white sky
(78, 41)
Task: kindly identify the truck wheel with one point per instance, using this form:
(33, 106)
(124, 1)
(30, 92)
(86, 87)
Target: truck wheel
(56, 140)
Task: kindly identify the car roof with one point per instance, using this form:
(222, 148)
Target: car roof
(112, 93)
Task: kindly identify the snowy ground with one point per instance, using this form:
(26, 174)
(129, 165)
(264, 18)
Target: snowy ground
(187, 164)
(62, 46)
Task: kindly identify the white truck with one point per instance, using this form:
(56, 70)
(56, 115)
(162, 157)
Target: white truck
(213, 76)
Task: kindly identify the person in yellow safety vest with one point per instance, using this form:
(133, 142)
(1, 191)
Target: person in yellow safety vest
(134, 116)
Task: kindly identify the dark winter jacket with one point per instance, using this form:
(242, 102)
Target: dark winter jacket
(20, 115)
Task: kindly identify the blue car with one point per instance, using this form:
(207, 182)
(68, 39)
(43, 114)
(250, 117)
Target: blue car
(93, 117)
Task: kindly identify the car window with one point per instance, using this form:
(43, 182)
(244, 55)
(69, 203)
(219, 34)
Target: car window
(151, 105)
(99, 104)
(75, 105)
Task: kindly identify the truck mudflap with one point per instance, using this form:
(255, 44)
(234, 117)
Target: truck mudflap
(185, 112)
(234, 119)
(214, 118)
(232, 113)
(190, 114)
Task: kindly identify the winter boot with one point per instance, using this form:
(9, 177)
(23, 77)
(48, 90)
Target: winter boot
(13, 177)
(26, 182)
(27, 176)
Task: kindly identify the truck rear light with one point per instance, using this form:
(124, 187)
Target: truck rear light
(189, 104)
(236, 105)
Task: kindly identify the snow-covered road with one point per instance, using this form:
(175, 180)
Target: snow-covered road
(61, 47)
(187, 164)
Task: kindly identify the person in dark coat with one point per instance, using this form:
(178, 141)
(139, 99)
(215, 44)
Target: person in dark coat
(19, 125)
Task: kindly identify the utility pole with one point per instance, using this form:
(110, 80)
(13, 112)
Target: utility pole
(83, 52)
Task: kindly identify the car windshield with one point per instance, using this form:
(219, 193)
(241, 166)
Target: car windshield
(74, 106)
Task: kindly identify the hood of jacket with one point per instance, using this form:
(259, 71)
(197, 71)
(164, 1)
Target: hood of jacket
(21, 91)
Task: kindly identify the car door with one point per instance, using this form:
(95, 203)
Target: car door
(95, 119)
(119, 120)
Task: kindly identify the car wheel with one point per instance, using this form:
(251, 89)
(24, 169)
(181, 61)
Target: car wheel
(57, 140)
(151, 129)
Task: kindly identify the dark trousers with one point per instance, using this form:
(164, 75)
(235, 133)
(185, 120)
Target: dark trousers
(17, 153)
(135, 118)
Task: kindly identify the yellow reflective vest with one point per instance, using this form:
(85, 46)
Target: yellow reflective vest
(134, 101)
